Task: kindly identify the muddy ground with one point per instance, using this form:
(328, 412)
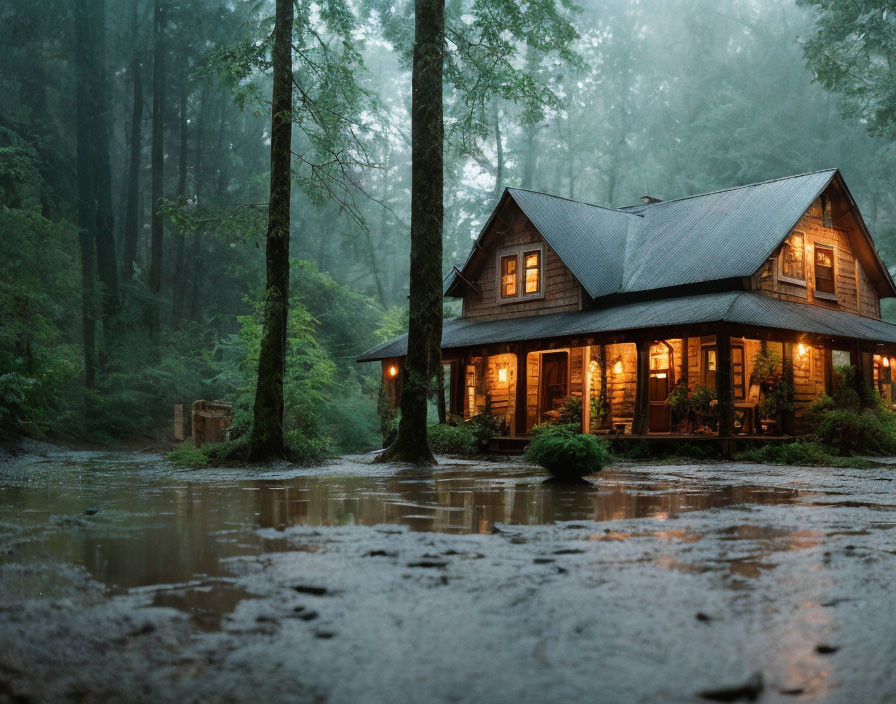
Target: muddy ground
(123, 579)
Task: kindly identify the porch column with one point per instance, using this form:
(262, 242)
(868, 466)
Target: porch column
(458, 373)
(788, 419)
(724, 383)
(828, 370)
(684, 361)
(521, 395)
(642, 389)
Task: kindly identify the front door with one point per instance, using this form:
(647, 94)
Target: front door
(554, 383)
(659, 411)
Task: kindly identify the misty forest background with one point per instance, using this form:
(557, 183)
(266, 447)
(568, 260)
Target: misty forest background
(134, 159)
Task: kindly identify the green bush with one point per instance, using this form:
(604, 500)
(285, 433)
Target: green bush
(571, 412)
(447, 439)
(802, 453)
(187, 455)
(484, 427)
(567, 454)
(705, 401)
(871, 431)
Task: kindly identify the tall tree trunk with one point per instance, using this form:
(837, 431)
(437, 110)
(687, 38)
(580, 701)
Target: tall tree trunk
(266, 441)
(499, 157)
(105, 220)
(86, 202)
(177, 298)
(131, 218)
(427, 214)
(158, 161)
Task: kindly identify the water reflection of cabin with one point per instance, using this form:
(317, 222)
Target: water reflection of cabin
(562, 298)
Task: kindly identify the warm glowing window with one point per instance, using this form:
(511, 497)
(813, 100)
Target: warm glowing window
(824, 270)
(793, 257)
(532, 272)
(508, 277)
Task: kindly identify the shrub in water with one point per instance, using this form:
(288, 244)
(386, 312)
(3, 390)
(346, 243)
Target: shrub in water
(567, 454)
(187, 455)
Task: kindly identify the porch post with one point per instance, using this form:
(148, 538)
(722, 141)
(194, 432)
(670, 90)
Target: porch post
(685, 341)
(642, 388)
(828, 370)
(724, 380)
(521, 397)
(788, 420)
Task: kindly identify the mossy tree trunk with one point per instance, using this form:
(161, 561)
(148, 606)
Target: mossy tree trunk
(86, 196)
(158, 162)
(266, 441)
(427, 212)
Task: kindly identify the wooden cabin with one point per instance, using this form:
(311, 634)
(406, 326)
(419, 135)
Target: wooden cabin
(618, 307)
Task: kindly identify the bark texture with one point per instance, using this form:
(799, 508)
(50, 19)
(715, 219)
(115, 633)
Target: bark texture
(86, 200)
(427, 213)
(266, 441)
(131, 218)
(158, 161)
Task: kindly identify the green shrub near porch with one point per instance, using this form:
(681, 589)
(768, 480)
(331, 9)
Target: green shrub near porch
(567, 454)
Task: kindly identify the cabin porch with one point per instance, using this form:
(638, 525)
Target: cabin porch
(697, 383)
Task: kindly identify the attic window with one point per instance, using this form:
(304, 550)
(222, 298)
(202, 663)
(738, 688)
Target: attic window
(508, 276)
(532, 272)
(793, 258)
(520, 273)
(824, 271)
(826, 211)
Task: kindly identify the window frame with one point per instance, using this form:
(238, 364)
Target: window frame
(519, 252)
(825, 295)
(781, 275)
(516, 276)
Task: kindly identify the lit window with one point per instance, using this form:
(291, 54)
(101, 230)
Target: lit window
(508, 277)
(824, 270)
(793, 257)
(532, 272)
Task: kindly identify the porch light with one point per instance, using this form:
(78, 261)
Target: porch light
(886, 361)
(801, 349)
(502, 375)
(661, 375)
(617, 368)
(393, 371)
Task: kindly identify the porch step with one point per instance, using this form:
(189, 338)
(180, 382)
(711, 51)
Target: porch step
(507, 445)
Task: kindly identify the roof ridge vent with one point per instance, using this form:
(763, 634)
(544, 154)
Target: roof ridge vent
(651, 199)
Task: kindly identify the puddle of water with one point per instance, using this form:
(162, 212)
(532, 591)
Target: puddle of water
(149, 529)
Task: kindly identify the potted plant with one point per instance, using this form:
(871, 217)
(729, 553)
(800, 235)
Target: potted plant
(775, 380)
(679, 403)
(705, 405)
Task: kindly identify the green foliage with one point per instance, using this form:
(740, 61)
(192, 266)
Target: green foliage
(705, 401)
(447, 439)
(804, 453)
(567, 454)
(850, 55)
(679, 402)
(187, 455)
(484, 427)
(571, 412)
(848, 431)
(775, 380)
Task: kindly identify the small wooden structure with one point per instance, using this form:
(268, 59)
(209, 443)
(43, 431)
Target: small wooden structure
(210, 420)
(617, 307)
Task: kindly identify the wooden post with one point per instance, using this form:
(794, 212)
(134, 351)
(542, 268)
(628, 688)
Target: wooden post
(828, 371)
(724, 389)
(788, 418)
(684, 361)
(522, 393)
(642, 389)
(586, 390)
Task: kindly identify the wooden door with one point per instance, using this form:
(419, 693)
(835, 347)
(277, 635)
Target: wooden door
(554, 382)
(658, 422)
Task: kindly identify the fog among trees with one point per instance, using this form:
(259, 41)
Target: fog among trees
(135, 174)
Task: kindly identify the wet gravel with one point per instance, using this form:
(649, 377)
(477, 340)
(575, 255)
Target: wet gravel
(123, 579)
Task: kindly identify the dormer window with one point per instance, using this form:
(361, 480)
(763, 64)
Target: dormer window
(793, 259)
(520, 274)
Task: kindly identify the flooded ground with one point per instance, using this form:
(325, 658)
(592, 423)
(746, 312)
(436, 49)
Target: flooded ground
(122, 578)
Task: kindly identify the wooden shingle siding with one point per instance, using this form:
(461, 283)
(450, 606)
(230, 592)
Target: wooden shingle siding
(855, 292)
(562, 293)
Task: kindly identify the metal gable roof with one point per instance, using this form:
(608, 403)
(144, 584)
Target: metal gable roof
(720, 235)
(742, 308)
(589, 239)
(725, 234)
